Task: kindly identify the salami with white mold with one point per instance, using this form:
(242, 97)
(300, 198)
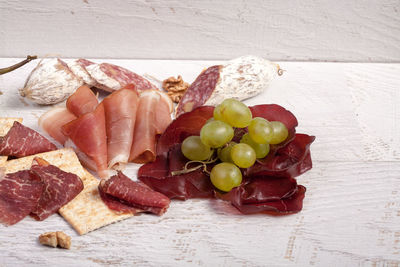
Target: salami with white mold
(110, 77)
(78, 67)
(240, 78)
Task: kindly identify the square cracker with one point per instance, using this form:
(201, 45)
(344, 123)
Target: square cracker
(5, 125)
(86, 212)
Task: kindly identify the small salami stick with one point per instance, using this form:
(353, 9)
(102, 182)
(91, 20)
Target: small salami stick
(240, 78)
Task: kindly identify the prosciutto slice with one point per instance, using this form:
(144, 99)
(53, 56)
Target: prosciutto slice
(163, 112)
(133, 195)
(52, 121)
(144, 144)
(21, 141)
(120, 113)
(19, 195)
(88, 134)
(82, 101)
(59, 188)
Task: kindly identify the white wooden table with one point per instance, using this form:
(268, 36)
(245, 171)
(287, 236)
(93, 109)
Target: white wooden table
(351, 214)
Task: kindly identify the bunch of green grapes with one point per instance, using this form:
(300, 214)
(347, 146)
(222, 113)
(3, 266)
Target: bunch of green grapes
(217, 134)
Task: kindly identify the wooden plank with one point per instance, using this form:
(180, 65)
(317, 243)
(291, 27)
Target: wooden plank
(279, 30)
(351, 211)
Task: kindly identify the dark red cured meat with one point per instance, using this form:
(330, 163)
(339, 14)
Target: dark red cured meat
(21, 141)
(19, 194)
(60, 187)
(124, 77)
(199, 91)
(288, 161)
(119, 206)
(158, 176)
(134, 194)
(186, 125)
(251, 198)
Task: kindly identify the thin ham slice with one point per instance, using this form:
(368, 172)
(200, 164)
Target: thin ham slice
(120, 111)
(19, 195)
(82, 101)
(52, 121)
(144, 144)
(21, 141)
(133, 195)
(163, 112)
(60, 187)
(88, 134)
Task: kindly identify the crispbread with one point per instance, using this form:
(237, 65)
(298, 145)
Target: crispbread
(64, 158)
(5, 125)
(86, 212)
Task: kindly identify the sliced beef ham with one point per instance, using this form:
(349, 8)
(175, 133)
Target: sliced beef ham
(133, 195)
(82, 101)
(21, 141)
(52, 121)
(88, 134)
(60, 187)
(120, 113)
(19, 194)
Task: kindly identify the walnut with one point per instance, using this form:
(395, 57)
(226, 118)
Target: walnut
(175, 88)
(54, 239)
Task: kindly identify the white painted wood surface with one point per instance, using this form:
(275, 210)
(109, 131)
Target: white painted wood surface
(356, 30)
(351, 214)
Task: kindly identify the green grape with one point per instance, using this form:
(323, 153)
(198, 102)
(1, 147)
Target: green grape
(233, 112)
(210, 120)
(280, 132)
(216, 134)
(225, 176)
(217, 113)
(224, 153)
(243, 155)
(193, 149)
(261, 150)
(260, 130)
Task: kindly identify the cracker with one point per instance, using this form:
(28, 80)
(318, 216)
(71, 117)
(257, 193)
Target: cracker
(87, 212)
(64, 158)
(5, 125)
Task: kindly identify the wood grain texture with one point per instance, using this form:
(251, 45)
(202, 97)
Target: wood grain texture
(358, 30)
(351, 212)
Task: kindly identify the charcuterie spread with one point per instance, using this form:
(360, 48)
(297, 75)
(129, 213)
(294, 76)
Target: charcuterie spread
(216, 147)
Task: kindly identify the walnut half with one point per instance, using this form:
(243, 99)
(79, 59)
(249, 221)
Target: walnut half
(54, 239)
(175, 88)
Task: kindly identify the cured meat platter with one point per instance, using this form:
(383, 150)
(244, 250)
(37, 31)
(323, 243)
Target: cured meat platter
(198, 231)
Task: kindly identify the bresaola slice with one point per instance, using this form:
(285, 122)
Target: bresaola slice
(268, 186)
(60, 187)
(134, 196)
(21, 141)
(19, 194)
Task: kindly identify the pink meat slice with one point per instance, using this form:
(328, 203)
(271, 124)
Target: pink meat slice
(82, 101)
(133, 194)
(19, 195)
(120, 113)
(60, 187)
(163, 112)
(144, 144)
(88, 134)
(52, 121)
(21, 141)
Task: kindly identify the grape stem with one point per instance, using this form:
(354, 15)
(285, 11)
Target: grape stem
(202, 164)
(18, 65)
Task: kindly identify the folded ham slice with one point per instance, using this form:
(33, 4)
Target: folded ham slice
(52, 121)
(132, 196)
(82, 101)
(21, 141)
(120, 112)
(88, 134)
